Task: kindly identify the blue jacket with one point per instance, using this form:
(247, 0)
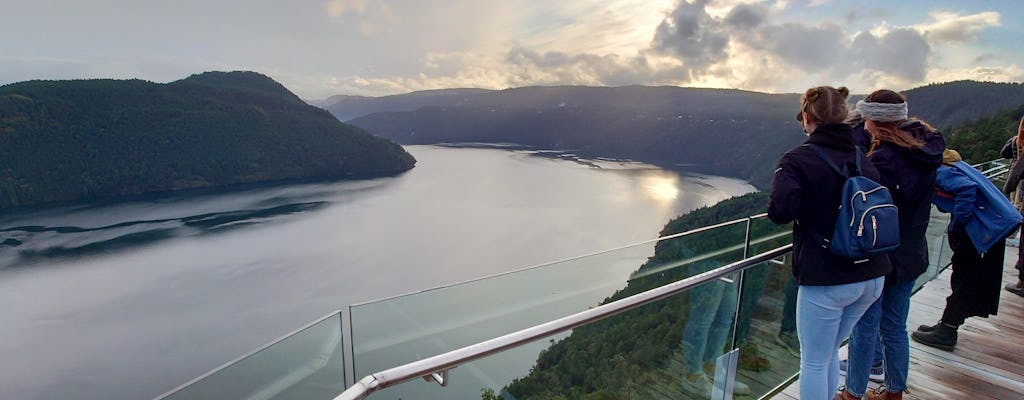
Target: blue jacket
(976, 204)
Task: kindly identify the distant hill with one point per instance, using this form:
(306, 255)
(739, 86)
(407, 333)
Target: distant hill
(349, 107)
(66, 141)
(981, 139)
(729, 132)
(948, 105)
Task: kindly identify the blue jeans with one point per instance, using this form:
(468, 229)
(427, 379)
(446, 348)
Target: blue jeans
(825, 315)
(887, 318)
(712, 308)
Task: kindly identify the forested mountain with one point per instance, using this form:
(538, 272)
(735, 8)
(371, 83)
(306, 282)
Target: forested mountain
(633, 354)
(948, 105)
(83, 139)
(981, 139)
(729, 132)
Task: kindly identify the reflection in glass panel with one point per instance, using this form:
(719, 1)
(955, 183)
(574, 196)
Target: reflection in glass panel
(647, 352)
(939, 253)
(766, 330)
(395, 331)
(304, 365)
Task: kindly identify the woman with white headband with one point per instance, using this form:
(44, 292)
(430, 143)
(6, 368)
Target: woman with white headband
(907, 152)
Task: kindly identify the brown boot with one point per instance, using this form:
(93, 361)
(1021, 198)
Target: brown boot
(882, 394)
(845, 395)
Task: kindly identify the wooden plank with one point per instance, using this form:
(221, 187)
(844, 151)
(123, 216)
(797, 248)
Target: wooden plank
(986, 363)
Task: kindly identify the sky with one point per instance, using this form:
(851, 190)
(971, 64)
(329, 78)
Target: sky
(320, 48)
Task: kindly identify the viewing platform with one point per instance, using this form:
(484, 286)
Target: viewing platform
(988, 361)
(717, 301)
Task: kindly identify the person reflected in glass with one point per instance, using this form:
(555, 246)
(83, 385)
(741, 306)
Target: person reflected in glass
(712, 311)
(833, 291)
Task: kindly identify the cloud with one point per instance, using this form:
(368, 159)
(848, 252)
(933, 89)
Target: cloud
(806, 47)
(902, 53)
(693, 36)
(746, 16)
(954, 28)
(337, 8)
(1010, 73)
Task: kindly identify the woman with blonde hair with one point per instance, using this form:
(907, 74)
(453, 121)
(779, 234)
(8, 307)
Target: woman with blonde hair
(907, 153)
(833, 291)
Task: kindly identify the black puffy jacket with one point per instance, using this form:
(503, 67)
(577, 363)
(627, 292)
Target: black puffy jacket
(909, 173)
(807, 191)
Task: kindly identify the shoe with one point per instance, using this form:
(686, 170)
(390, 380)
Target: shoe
(790, 342)
(927, 328)
(845, 395)
(942, 337)
(699, 386)
(740, 388)
(876, 374)
(882, 394)
(1017, 289)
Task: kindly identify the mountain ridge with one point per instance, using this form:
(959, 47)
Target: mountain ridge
(729, 132)
(75, 140)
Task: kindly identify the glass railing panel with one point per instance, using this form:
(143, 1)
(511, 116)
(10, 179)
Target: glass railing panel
(643, 353)
(939, 253)
(307, 364)
(407, 328)
(766, 327)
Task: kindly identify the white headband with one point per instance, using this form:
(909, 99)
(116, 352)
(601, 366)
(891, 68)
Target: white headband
(882, 112)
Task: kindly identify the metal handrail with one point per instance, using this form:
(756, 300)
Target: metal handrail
(436, 368)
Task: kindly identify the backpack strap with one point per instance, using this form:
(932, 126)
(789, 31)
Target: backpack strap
(824, 157)
(825, 241)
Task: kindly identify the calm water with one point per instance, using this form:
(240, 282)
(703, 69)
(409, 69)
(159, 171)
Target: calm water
(127, 301)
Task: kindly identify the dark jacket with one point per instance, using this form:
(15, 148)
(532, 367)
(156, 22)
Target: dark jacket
(861, 137)
(1009, 151)
(910, 176)
(807, 191)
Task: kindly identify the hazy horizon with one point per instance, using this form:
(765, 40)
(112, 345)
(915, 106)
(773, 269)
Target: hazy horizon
(358, 47)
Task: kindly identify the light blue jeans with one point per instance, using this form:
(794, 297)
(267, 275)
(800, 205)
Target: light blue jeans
(825, 316)
(712, 308)
(887, 318)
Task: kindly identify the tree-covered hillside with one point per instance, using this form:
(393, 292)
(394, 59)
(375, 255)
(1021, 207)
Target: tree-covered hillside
(981, 139)
(72, 140)
(728, 132)
(947, 105)
(632, 355)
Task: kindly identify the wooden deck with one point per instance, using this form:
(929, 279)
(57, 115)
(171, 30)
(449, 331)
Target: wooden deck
(988, 362)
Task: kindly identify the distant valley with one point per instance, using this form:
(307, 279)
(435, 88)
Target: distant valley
(723, 131)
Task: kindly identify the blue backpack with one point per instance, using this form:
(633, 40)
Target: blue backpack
(868, 222)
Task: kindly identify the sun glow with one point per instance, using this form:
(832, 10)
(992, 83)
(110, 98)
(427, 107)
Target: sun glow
(662, 189)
